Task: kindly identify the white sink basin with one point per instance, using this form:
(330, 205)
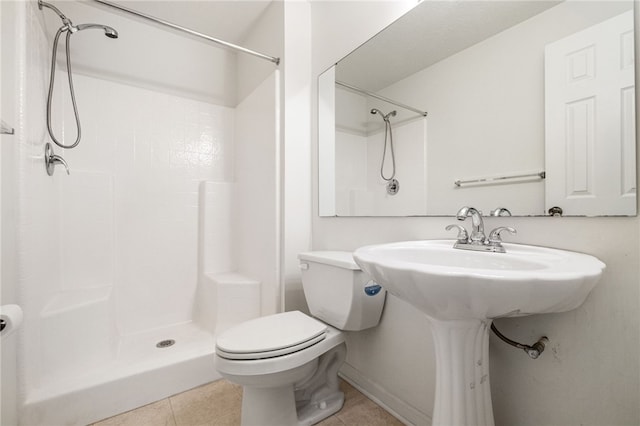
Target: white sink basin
(461, 291)
(447, 283)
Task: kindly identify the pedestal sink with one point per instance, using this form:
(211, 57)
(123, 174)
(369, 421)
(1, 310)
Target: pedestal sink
(462, 291)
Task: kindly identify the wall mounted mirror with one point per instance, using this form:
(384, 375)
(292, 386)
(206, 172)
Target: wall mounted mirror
(525, 105)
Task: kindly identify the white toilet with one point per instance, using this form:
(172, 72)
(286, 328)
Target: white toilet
(288, 363)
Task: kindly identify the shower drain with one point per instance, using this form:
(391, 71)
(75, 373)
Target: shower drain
(165, 343)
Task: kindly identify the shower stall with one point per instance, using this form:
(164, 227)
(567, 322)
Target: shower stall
(166, 229)
(380, 153)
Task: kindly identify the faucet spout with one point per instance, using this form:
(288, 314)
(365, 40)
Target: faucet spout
(477, 230)
(477, 241)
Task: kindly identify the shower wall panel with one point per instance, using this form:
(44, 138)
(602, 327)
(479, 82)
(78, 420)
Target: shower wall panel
(351, 174)
(87, 234)
(155, 148)
(37, 213)
(216, 226)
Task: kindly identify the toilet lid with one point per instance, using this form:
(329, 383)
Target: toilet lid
(270, 336)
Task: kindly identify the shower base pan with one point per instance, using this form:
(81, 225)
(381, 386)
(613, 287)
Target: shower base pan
(147, 368)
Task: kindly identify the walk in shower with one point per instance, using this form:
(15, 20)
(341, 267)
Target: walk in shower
(166, 229)
(375, 152)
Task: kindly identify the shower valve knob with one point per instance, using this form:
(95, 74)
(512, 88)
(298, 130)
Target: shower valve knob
(51, 160)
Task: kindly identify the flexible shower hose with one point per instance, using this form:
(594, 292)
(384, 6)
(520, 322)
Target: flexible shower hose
(387, 130)
(73, 96)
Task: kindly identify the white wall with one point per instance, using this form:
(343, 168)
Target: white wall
(266, 36)
(590, 373)
(257, 158)
(256, 177)
(296, 153)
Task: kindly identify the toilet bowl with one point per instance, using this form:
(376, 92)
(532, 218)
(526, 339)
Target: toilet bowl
(288, 363)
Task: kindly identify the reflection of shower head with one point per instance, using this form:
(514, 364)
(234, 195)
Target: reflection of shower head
(108, 31)
(384, 117)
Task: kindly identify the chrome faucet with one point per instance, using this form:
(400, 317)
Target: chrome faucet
(477, 240)
(477, 231)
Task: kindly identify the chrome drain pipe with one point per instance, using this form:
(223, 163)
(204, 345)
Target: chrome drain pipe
(533, 351)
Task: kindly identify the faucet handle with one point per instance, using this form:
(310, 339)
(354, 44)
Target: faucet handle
(463, 235)
(51, 160)
(494, 236)
(501, 211)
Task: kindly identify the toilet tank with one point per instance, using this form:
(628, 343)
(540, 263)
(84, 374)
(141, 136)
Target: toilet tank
(338, 292)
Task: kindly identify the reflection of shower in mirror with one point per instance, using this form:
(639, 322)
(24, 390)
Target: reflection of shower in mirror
(393, 186)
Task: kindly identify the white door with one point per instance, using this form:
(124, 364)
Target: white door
(590, 120)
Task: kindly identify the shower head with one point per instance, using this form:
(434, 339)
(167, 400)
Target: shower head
(108, 31)
(384, 117)
(68, 25)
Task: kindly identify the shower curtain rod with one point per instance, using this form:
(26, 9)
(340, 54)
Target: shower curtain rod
(382, 98)
(189, 31)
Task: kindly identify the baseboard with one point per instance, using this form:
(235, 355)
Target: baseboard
(399, 409)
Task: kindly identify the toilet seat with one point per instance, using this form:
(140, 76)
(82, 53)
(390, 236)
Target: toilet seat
(272, 336)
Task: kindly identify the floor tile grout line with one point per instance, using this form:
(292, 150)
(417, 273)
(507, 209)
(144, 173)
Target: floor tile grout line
(173, 414)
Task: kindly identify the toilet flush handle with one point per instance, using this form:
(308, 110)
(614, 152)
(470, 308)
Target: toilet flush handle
(371, 288)
(304, 266)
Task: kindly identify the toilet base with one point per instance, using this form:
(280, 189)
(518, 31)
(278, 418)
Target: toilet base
(315, 413)
(312, 398)
(268, 406)
(276, 406)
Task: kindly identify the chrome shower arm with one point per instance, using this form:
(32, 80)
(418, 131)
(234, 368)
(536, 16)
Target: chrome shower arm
(66, 21)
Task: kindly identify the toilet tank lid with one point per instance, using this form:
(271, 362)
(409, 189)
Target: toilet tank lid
(341, 259)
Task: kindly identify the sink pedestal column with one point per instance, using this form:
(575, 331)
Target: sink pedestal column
(463, 392)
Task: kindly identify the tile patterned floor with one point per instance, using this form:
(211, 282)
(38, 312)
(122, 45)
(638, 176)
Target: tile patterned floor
(218, 404)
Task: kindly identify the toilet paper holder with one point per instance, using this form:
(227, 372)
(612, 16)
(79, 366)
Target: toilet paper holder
(10, 319)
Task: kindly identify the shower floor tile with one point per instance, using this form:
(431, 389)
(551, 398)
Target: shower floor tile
(219, 403)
